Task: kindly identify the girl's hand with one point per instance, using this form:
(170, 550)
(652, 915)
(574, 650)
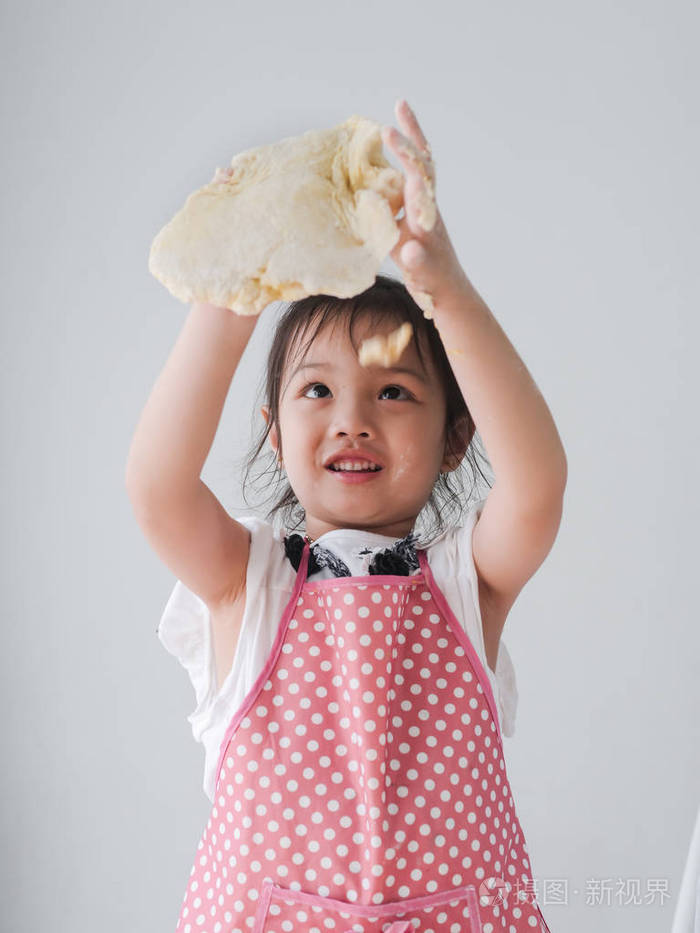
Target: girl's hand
(424, 252)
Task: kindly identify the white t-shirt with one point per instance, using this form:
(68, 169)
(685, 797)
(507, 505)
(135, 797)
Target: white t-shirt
(184, 627)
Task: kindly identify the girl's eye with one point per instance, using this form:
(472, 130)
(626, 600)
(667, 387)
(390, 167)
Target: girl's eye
(320, 390)
(314, 385)
(396, 389)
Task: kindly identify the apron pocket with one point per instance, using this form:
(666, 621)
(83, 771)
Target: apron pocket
(283, 910)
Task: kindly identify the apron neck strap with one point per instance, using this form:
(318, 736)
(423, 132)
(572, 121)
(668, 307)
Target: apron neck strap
(303, 564)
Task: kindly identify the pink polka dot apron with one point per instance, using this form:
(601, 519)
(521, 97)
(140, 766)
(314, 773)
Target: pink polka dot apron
(361, 786)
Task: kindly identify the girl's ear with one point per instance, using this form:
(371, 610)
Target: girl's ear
(461, 435)
(272, 436)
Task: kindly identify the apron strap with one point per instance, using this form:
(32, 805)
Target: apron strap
(303, 567)
(462, 636)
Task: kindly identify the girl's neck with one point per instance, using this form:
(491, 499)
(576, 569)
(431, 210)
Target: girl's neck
(396, 532)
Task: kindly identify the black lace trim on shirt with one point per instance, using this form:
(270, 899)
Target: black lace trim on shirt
(401, 559)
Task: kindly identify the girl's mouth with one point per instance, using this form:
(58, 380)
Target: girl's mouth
(353, 475)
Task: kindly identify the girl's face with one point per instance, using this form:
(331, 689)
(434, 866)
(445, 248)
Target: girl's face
(331, 405)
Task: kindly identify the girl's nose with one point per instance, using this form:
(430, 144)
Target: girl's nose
(352, 427)
(352, 419)
(340, 433)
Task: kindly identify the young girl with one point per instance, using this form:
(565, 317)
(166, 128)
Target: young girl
(352, 688)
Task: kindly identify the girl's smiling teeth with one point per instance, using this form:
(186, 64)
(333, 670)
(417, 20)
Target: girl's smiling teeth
(353, 465)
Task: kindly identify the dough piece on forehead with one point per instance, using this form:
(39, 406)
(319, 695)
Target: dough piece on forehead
(310, 214)
(385, 351)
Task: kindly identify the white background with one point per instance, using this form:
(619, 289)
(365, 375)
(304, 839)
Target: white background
(566, 144)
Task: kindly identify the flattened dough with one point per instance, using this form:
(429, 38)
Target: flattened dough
(307, 215)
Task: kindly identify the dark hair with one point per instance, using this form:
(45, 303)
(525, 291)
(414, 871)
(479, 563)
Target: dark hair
(386, 298)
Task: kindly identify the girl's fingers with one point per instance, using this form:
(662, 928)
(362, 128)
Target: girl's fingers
(419, 189)
(417, 166)
(408, 122)
(419, 169)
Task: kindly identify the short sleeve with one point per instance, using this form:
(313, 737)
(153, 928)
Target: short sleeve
(507, 689)
(185, 632)
(185, 628)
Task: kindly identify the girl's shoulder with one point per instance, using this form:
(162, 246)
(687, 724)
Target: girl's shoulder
(184, 628)
(267, 560)
(455, 541)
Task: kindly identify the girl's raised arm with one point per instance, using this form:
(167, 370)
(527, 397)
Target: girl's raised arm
(181, 517)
